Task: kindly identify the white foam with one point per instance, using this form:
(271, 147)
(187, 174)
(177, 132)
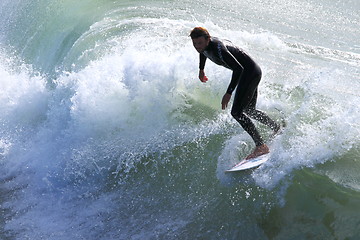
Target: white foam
(321, 127)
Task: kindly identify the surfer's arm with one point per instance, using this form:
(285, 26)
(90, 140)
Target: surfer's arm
(237, 68)
(202, 61)
(234, 65)
(202, 76)
(225, 101)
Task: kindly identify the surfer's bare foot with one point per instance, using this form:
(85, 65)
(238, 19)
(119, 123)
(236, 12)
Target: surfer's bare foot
(259, 150)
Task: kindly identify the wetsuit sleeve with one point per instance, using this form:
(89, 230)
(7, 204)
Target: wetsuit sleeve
(233, 64)
(202, 61)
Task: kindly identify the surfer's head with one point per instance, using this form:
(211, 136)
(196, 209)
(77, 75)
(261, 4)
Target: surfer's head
(199, 32)
(200, 38)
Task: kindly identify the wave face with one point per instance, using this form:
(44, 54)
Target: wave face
(106, 133)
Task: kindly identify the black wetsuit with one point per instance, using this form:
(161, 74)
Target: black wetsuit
(245, 79)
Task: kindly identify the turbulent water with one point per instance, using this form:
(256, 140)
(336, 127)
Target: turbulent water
(106, 132)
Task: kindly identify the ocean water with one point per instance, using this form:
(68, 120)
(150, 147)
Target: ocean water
(106, 132)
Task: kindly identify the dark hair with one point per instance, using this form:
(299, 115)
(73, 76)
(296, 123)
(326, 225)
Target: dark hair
(199, 32)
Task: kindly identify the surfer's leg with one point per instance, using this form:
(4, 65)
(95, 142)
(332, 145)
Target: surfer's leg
(260, 116)
(243, 96)
(249, 127)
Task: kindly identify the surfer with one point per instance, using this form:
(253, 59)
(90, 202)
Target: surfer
(244, 82)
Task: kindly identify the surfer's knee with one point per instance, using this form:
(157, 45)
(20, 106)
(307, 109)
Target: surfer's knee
(234, 114)
(238, 115)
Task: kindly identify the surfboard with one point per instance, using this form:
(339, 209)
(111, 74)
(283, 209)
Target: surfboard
(250, 163)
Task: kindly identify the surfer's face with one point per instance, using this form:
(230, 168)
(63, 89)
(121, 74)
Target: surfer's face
(200, 43)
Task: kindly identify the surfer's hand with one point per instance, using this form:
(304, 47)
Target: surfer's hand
(225, 100)
(202, 76)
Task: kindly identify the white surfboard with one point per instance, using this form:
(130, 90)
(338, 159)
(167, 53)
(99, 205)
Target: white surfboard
(251, 163)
